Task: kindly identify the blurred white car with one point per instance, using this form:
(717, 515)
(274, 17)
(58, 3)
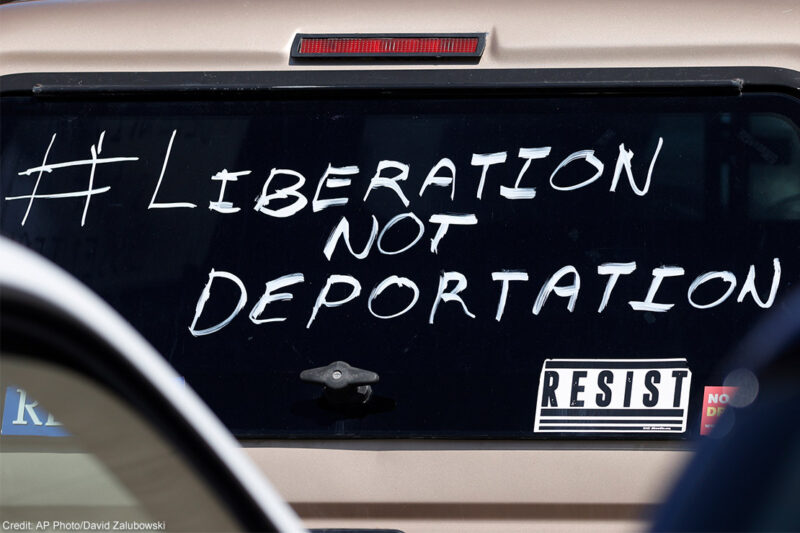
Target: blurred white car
(98, 433)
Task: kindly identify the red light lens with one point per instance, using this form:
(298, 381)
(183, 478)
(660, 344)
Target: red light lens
(387, 46)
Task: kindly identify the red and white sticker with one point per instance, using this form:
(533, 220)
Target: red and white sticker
(715, 401)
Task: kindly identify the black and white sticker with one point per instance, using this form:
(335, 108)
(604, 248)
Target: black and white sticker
(613, 396)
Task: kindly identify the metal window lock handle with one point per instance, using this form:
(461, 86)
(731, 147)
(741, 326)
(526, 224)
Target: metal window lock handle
(342, 383)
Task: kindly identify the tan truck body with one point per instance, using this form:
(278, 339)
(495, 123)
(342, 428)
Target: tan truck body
(423, 485)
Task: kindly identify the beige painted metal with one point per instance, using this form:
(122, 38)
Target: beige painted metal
(478, 486)
(91, 35)
(423, 485)
(478, 518)
(443, 486)
(474, 472)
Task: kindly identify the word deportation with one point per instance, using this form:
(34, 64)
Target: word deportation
(565, 283)
(282, 201)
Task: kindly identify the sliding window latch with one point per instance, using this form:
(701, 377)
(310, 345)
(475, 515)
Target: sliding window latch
(342, 383)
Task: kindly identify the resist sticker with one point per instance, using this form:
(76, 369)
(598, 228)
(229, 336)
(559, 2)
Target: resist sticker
(613, 396)
(715, 401)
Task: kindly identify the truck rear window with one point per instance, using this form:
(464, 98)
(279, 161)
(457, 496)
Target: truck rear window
(510, 266)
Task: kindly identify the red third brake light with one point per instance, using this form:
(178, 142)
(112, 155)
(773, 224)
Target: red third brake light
(390, 45)
(339, 46)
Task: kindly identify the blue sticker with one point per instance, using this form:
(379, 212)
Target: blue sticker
(22, 415)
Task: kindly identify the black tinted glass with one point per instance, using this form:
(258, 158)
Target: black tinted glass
(454, 245)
